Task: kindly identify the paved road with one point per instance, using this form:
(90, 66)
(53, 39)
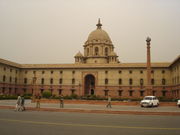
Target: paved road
(95, 107)
(60, 123)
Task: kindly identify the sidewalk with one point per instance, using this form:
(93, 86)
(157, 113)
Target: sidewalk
(94, 108)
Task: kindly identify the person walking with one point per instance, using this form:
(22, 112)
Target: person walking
(22, 103)
(61, 99)
(38, 100)
(18, 103)
(109, 102)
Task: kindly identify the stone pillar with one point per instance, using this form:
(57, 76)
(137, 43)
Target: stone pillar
(149, 86)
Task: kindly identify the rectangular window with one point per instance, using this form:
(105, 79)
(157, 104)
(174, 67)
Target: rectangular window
(130, 93)
(105, 92)
(120, 81)
(141, 93)
(24, 89)
(141, 72)
(60, 81)
(42, 90)
(60, 91)
(164, 93)
(120, 92)
(72, 91)
(10, 90)
(15, 90)
(130, 71)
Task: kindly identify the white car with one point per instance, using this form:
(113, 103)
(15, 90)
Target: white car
(178, 103)
(149, 101)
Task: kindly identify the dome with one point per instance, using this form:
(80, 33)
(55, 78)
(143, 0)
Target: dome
(112, 54)
(99, 34)
(79, 54)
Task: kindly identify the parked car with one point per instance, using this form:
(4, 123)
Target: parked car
(178, 103)
(149, 101)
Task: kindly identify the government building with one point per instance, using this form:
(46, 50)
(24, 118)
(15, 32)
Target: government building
(97, 71)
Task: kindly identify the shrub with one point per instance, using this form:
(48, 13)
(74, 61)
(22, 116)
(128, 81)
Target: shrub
(46, 94)
(7, 97)
(27, 96)
(164, 99)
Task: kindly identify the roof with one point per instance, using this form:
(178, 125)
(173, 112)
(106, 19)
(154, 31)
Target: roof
(9, 63)
(79, 54)
(87, 66)
(99, 34)
(176, 60)
(78, 66)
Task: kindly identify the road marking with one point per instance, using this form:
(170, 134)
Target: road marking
(85, 125)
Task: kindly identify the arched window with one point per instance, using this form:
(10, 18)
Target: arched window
(51, 81)
(10, 79)
(120, 81)
(42, 81)
(16, 80)
(96, 51)
(130, 81)
(152, 82)
(25, 80)
(163, 81)
(106, 81)
(4, 78)
(106, 51)
(73, 81)
(87, 51)
(141, 81)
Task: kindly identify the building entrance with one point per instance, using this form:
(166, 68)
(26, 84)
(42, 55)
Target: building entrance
(89, 85)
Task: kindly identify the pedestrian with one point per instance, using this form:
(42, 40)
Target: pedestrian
(38, 100)
(22, 103)
(18, 103)
(61, 99)
(109, 102)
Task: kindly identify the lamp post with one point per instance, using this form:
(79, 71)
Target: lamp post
(149, 87)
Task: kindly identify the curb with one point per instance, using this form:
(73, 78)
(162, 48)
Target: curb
(96, 111)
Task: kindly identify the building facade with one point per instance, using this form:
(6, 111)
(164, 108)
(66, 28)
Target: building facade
(97, 71)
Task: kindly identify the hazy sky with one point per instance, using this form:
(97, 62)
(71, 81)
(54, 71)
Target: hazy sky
(53, 31)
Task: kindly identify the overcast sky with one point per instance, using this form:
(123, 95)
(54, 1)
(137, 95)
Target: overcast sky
(53, 31)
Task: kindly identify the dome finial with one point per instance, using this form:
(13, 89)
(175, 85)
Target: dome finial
(99, 24)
